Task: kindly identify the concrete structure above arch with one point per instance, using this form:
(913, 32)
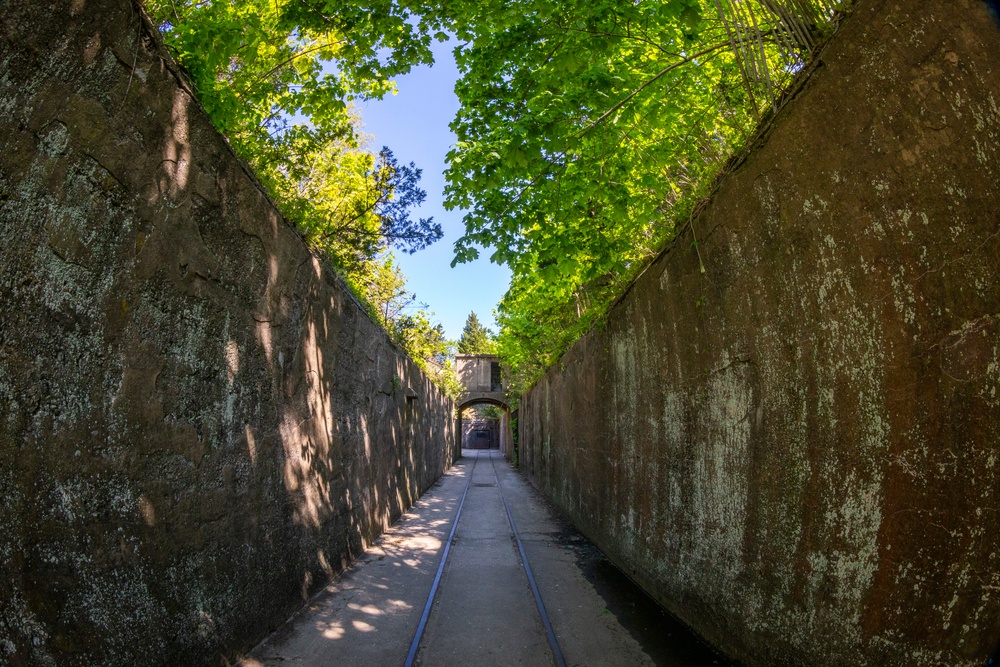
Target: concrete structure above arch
(482, 377)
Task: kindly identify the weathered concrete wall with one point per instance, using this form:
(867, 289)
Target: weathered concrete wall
(505, 444)
(797, 451)
(198, 425)
(475, 371)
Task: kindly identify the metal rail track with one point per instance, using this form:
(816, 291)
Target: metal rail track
(550, 635)
(415, 644)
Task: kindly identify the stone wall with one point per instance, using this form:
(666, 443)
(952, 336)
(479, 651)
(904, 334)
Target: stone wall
(796, 450)
(199, 426)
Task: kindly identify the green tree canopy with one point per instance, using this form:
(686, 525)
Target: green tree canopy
(588, 129)
(476, 339)
(277, 78)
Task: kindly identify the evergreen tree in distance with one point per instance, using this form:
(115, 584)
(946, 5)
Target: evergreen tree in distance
(476, 338)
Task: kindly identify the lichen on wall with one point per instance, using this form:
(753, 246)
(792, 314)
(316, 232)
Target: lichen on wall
(796, 450)
(199, 425)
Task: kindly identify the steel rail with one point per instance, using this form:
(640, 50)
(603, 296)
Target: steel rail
(415, 644)
(549, 632)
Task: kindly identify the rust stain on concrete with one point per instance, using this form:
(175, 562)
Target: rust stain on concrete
(796, 451)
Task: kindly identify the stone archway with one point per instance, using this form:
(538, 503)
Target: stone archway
(473, 400)
(482, 377)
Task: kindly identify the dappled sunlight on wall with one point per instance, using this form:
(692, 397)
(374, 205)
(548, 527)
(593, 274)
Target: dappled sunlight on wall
(199, 425)
(177, 147)
(306, 436)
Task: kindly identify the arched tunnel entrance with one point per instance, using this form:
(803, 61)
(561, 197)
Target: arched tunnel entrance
(478, 429)
(482, 377)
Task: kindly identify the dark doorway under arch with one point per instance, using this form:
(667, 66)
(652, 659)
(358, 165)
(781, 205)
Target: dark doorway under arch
(482, 435)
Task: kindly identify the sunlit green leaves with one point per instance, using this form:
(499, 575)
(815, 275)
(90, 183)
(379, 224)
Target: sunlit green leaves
(587, 129)
(476, 339)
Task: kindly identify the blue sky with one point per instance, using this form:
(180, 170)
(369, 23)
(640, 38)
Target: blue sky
(414, 125)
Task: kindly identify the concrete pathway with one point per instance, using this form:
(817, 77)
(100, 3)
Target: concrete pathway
(484, 612)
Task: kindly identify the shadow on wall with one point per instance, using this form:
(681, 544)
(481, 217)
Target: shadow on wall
(199, 426)
(994, 6)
